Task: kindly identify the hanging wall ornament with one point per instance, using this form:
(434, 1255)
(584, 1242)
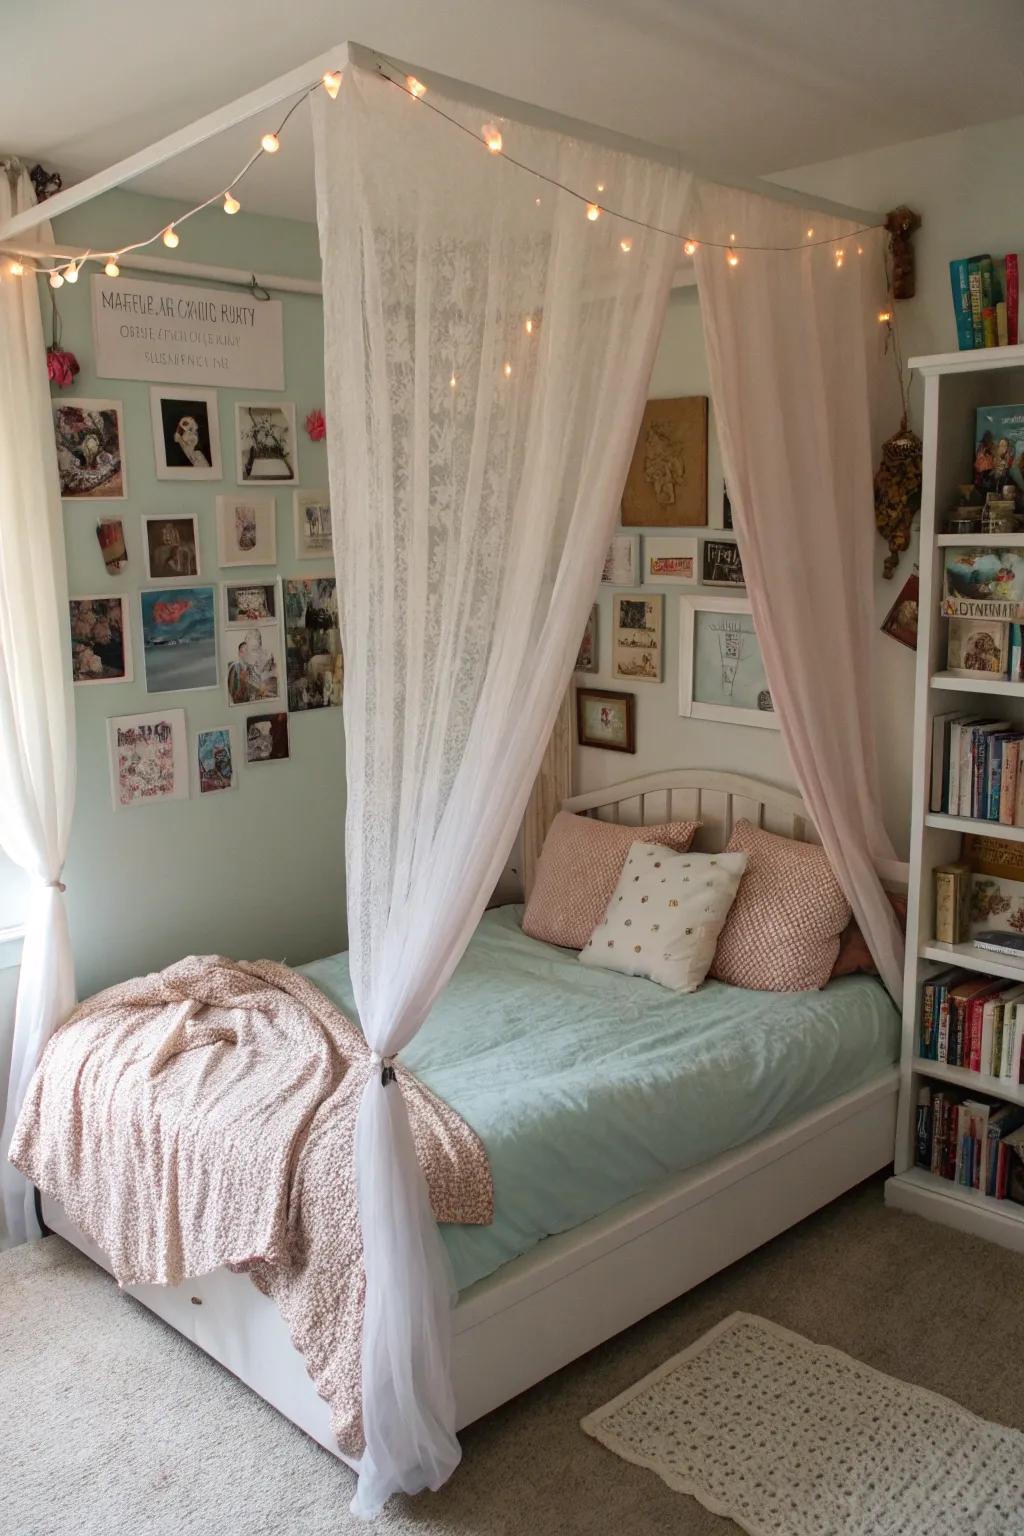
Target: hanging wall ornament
(61, 366)
(898, 477)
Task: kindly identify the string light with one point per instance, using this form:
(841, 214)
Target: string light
(71, 272)
(507, 370)
(332, 83)
(15, 268)
(451, 381)
(270, 143)
(732, 239)
(492, 138)
(839, 258)
(860, 250)
(170, 237)
(537, 201)
(416, 87)
(600, 186)
(528, 325)
(112, 269)
(626, 244)
(56, 280)
(733, 259)
(231, 203)
(810, 234)
(884, 316)
(689, 246)
(593, 212)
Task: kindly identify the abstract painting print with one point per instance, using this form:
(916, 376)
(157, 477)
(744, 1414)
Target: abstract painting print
(179, 639)
(90, 452)
(148, 758)
(100, 640)
(253, 662)
(266, 738)
(215, 760)
(312, 638)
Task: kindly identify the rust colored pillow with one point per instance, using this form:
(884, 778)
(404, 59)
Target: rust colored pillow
(854, 954)
(578, 870)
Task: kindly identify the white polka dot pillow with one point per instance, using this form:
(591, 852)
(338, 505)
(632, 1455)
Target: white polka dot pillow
(665, 915)
(784, 929)
(579, 864)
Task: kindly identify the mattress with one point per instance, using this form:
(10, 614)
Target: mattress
(587, 1087)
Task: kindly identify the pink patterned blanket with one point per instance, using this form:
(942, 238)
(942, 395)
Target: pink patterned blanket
(205, 1115)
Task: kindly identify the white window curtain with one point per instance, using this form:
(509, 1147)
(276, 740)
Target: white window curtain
(488, 349)
(37, 725)
(795, 359)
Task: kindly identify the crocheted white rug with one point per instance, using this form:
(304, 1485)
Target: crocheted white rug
(791, 1438)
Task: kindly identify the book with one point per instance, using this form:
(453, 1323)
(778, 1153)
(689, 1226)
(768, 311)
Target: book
(1008, 787)
(984, 583)
(923, 1128)
(957, 726)
(977, 646)
(1012, 298)
(962, 304)
(952, 894)
(974, 288)
(942, 726)
(1002, 326)
(988, 303)
(973, 759)
(999, 451)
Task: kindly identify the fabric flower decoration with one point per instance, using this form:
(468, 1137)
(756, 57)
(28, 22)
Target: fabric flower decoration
(316, 426)
(61, 367)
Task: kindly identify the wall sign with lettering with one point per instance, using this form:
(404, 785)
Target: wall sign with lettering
(720, 564)
(185, 335)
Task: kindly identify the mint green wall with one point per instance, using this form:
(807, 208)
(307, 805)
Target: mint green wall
(259, 871)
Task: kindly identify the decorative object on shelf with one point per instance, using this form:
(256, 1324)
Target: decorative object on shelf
(90, 453)
(186, 433)
(966, 515)
(996, 914)
(721, 565)
(312, 640)
(606, 719)
(999, 514)
(265, 442)
(667, 483)
(148, 758)
(998, 856)
(983, 583)
(179, 639)
(901, 620)
(636, 637)
(952, 898)
(110, 538)
(215, 760)
(587, 655)
(622, 562)
(246, 530)
(898, 478)
(316, 426)
(902, 223)
(978, 645)
(101, 635)
(999, 453)
(171, 547)
(721, 673)
(311, 513)
(46, 183)
(266, 738)
(670, 560)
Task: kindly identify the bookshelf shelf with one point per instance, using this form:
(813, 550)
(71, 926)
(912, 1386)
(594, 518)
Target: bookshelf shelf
(978, 540)
(986, 961)
(975, 825)
(925, 1194)
(975, 1082)
(997, 686)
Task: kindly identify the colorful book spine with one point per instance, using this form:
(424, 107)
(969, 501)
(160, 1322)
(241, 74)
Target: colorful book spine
(1008, 786)
(1012, 297)
(962, 304)
(974, 288)
(923, 1154)
(927, 1043)
(990, 335)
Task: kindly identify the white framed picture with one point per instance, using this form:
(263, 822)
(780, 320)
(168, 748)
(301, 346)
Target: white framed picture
(214, 760)
(622, 562)
(148, 758)
(311, 511)
(186, 432)
(254, 659)
(636, 636)
(670, 560)
(246, 530)
(721, 673)
(265, 443)
(171, 546)
(248, 602)
(101, 639)
(90, 441)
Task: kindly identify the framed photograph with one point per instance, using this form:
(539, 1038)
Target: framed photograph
(636, 637)
(586, 659)
(266, 738)
(312, 513)
(605, 719)
(670, 560)
(720, 563)
(90, 449)
(171, 547)
(622, 562)
(101, 633)
(265, 443)
(248, 602)
(246, 530)
(179, 639)
(186, 432)
(148, 758)
(254, 664)
(312, 640)
(721, 674)
(978, 645)
(215, 760)
(901, 620)
(667, 483)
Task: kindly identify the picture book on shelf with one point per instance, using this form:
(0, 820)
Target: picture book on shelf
(999, 450)
(983, 584)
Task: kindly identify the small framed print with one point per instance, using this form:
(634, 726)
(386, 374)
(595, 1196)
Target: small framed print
(215, 760)
(667, 483)
(586, 659)
(606, 719)
(101, 633)
(253, 664)
(311, 511)
(171, 547)
(622, 562)
(266, 738)
(636, 637)
(186, 432)
(265, 443)
(246, 530)
(90, 449)
(721, 565)
(179, 638)
(248, 602)
(721, 673)
(670, 561)
(148, 758)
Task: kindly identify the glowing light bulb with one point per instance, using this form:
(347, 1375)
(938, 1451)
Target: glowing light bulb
(626, 244)
(71, 273)
(112, 269)
(860, 250)
(593, 212)
(733, 259)
(171, 237)
(600, 186)
(810, 234)
(884, 316)
(416, 87)
(537, 201)
(528, 325)
(492, 138)
(16, 268)
(732, 237)
(839, 258)
(332, 83)
(56, 280)
(451, 381)
(507, 370)
(689, 246)
(270, 143)
(231, 203)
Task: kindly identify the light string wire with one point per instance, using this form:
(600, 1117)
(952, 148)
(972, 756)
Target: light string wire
(417, 92)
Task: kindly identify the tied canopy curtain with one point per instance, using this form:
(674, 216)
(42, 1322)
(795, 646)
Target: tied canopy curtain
(793, 354)
(477, 461)
(37, 728)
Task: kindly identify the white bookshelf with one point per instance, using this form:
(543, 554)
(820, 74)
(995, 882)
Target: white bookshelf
(955, 384)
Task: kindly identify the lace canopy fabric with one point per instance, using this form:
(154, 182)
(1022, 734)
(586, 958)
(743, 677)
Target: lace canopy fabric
(487, 351)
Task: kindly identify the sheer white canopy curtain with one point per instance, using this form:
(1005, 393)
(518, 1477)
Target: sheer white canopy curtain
(488, 349)
(37, 724)
(795, 359)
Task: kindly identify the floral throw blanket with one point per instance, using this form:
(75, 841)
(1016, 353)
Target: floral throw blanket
(205, 1115)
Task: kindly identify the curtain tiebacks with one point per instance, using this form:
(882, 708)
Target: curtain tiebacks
(387, 1066)
(55, 885)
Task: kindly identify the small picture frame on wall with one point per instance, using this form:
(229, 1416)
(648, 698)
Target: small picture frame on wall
(721, 673)
(636, 636)
(606, 719)
(246, 530)
(586, 657)
(670, 560)
(101, 640)
(266, 738)
(186, 432)
(721, 565)
(622, 562)
(215, 760)
(265, 443)
(667, 483)
(171, 547)
(311, 511)
(90, 440)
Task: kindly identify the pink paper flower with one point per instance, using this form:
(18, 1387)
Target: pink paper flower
(316, 426)
(61, 367)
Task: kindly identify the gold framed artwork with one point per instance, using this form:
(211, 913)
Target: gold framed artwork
(667, 484)
(606, 719)
(636, 636)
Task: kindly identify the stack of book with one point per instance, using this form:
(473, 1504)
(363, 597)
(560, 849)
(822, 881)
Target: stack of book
(978, 1143)
(985, 300)
(976, 769)
(974, 1022)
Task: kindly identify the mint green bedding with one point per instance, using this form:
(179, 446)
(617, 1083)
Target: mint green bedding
(587, 1087)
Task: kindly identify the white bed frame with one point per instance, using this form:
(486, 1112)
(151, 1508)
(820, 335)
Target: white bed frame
(578, 1289)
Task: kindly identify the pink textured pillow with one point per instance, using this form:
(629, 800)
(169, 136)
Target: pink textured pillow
(782, 933)
(578, 870)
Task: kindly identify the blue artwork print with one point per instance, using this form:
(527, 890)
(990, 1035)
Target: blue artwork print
(179, 639)
(216, 765)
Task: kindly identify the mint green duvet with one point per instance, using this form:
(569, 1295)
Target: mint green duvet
(587, 1087)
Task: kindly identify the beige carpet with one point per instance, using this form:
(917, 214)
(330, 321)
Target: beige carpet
(110, 1423)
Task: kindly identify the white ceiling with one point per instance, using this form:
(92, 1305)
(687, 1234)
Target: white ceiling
(739, 87)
